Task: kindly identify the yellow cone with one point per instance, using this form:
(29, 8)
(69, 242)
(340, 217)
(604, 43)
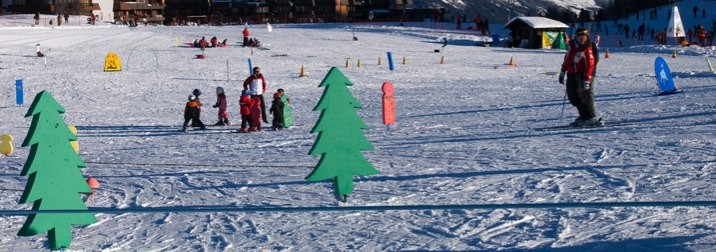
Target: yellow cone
(6, 147)
(442, 59)
(303, 72)
(405, 61)
(358, 64)
(379, 62)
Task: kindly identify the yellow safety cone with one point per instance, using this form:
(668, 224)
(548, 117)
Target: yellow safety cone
(379, 62)
(358, 64)
(442, 59)
(405, 61)
(303, 72)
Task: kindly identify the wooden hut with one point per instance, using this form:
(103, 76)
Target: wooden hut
(537, 32)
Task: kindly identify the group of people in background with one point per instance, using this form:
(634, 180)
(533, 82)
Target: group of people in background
(251, 106)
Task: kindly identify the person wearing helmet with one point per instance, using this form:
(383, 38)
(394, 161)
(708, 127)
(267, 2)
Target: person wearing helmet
(191, 113)
(578, 66)
(245, 107)
(221, 104)
(197, 93)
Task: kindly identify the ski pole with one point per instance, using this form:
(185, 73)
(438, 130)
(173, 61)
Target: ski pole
(561, 114)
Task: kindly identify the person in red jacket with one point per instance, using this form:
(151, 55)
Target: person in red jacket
(578, 65)
(221, 104)
(246, 36)
(245, 103)
(256, 84)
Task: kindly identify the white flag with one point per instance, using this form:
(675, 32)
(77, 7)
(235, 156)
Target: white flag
(676, 28)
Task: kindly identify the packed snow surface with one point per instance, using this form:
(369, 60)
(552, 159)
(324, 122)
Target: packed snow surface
(470, 131)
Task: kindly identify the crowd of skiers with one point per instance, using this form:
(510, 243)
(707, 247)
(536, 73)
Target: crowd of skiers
(251, 106)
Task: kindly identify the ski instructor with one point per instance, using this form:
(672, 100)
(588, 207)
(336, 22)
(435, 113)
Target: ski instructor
(256, 85)
(579, 67)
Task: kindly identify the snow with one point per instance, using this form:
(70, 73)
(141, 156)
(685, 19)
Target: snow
(539, 22)
(468, 132)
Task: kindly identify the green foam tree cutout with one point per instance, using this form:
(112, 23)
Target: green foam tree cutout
(340, 136)
(55, 181)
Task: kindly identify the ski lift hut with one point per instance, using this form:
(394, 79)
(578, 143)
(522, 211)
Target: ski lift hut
(537, 32)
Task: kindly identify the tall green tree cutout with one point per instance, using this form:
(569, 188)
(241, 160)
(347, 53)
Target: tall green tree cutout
(55, 181)
(340, 136)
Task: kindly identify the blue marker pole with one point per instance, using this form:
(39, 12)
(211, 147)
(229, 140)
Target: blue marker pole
(251, 71)
(390, 62)
(18, 92)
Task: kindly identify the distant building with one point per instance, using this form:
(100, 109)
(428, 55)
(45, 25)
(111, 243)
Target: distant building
(145, 11)
(536, 32)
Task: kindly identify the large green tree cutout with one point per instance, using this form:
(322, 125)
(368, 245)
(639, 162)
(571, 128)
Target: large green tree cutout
(340, 136)
(55, 181)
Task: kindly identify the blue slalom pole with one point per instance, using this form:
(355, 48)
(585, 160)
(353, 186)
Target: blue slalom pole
(390, 62)
(251, 71)
(18, 92)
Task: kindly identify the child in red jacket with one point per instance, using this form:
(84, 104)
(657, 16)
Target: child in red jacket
(255, 114)
(245, 103)
(221, 104)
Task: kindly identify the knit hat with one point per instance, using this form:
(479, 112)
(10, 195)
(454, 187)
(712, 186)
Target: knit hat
(219, 90)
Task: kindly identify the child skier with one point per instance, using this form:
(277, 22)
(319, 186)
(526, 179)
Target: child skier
(191, 113)
(255, 114)
(277, 111)
(245, 103)
(196, 94)
(221, 104)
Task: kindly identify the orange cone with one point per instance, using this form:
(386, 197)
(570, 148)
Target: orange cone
(512, 62)
(606, 55)
(673, 55)
(303, 72)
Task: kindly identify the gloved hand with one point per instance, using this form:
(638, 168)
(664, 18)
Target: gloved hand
(561, 77)
(586, 85)
(215, 106)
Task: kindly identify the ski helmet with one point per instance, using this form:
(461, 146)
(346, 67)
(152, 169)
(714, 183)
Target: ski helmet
(219, 90)
(192, 97)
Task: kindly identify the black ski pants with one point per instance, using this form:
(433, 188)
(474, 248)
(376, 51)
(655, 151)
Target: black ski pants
(583, 100)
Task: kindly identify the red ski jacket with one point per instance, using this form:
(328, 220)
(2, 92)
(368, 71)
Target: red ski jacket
(245, 103)
(579, 59)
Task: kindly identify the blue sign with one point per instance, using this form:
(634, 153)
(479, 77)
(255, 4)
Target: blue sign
(495, 40)
(390, 61)
(663, 77)
(18, 92)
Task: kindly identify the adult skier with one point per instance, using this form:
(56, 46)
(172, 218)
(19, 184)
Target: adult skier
(578, 66)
